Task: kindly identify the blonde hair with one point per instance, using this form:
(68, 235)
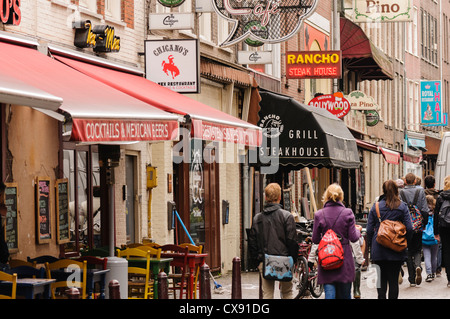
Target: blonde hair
(447, 183)
(334, 192)
(272, 192)
(431, 201)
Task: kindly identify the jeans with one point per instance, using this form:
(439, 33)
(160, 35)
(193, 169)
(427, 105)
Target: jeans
(389, 271)
(338, 290)
(414, 260)
(430, 257)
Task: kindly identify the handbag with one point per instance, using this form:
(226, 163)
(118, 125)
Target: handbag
(391, 234)
(428, 234)
(278, 267)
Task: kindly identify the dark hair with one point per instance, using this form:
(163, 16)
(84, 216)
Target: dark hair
(390, 190)
(429, 181)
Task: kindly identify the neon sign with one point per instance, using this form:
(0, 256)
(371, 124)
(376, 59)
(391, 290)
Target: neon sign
(270, 21)
(10, 12)
(100, 37)
(313, 65)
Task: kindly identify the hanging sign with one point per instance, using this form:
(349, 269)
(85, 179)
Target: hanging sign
(171, 3)
(171, 21)
(10, 12)
(271, 21)
(430, 103)
(382, 11)
(313, 65)
(173, 64)
(361, 102)
(254, 57)
(335, 103)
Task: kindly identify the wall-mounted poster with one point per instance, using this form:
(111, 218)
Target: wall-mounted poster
(43, 210)
(174, 64)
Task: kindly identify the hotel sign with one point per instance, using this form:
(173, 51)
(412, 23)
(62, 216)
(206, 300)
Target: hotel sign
(313, 65)
(382, 11)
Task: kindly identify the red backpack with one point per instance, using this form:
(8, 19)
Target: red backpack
(330, 252)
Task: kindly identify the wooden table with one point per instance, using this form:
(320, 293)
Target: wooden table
(29, 287)
(93, 276)
(155, 266)
(193, 260)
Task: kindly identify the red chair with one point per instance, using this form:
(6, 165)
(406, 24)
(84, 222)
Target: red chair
(179, 267)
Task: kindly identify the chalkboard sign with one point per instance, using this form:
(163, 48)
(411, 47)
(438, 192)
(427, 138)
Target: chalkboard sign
(12, 210)
(62, 211)
(43, 215)
(287, 199)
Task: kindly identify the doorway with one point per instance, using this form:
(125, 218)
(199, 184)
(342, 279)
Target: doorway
(129, 194)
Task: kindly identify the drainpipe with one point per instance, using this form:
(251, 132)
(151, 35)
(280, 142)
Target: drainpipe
(246, 211)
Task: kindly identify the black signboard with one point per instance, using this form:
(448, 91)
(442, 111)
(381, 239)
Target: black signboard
(43, 207)
(62, 211)
(12, 210)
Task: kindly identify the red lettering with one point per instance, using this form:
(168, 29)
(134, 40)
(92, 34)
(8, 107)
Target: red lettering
(10, 12)
(17, 14)
(4, 10)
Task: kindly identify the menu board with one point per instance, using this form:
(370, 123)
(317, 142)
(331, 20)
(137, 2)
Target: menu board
(43, 216)
(12, 210)
(62, 211)
(287, 199)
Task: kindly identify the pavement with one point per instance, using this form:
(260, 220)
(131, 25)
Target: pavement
(437, 289)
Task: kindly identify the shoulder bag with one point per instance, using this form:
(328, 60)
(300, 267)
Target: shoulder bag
(391, 234)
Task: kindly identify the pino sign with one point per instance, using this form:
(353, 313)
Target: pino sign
(335, 103)
(313, 65)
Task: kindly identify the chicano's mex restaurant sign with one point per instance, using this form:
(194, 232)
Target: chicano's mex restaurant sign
(270, 21)
(313, 65)
(10, 12)
(104, 130)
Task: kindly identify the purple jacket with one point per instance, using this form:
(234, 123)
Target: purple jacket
(345, 227)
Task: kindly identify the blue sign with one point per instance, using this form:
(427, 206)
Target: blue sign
(430, 103)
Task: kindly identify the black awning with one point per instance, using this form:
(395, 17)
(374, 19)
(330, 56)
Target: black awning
(304, 136)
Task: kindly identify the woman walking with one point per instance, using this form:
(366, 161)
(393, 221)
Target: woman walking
(389, 261)
(429, 243)
(337, 282)
(441, 228)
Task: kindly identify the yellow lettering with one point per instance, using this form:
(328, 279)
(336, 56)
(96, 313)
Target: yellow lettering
(291, 59)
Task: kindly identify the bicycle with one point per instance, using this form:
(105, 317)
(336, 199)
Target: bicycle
(304, 278)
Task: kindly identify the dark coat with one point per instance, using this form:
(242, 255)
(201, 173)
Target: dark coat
(345, 227)
(273, 232)
(401, 214)
(444, 195)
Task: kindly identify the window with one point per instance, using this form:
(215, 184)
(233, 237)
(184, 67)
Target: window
(89, 4)
(112, 9)
(413, 39)
(205, 26)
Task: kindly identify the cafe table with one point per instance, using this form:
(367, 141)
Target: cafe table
(29, 288)
(155, 266)
(193, 260)
(93, 276)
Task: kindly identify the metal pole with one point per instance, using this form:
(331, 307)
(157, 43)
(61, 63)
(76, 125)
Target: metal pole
(336, 37)
(236, 288)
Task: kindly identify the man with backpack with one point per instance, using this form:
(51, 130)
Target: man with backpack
(414, 197)
(442, 225)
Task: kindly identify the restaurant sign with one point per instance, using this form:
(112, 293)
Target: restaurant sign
(430, 103)
(382, 11)
(271, 21)
(335, 103)
(100, 37)
(10, 12)
(313, 64)
(361, 102)
(173, 64)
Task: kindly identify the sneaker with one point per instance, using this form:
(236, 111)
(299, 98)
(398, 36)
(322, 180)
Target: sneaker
(413, 285)
(418, 276)
(429, 278)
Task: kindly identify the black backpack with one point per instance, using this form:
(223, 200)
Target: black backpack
(444, 214)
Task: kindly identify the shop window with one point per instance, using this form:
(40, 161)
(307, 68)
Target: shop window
(81, 168)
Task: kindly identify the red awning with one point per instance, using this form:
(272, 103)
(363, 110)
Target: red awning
(208, 123)
(361, 55)
(99, 112)
(390, 156)
(367, 146)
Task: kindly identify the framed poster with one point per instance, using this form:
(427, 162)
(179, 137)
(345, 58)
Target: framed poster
(43, 210)
(174, 64)
(62, 211)
(12, 210)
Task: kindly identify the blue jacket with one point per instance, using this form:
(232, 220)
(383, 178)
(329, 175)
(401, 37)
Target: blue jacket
(401, 214)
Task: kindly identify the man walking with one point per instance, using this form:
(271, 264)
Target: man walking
(413, 195)
(273, 233)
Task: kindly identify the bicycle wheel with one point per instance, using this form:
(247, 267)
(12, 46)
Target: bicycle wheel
(315, 289)
(300, 277)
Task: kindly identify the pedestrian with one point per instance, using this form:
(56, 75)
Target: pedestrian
(430, 244)
(337, 282)
(414, 195)
(430, 184)
(400, 183)
(273, 232)
(388, 260)
(441, 231)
